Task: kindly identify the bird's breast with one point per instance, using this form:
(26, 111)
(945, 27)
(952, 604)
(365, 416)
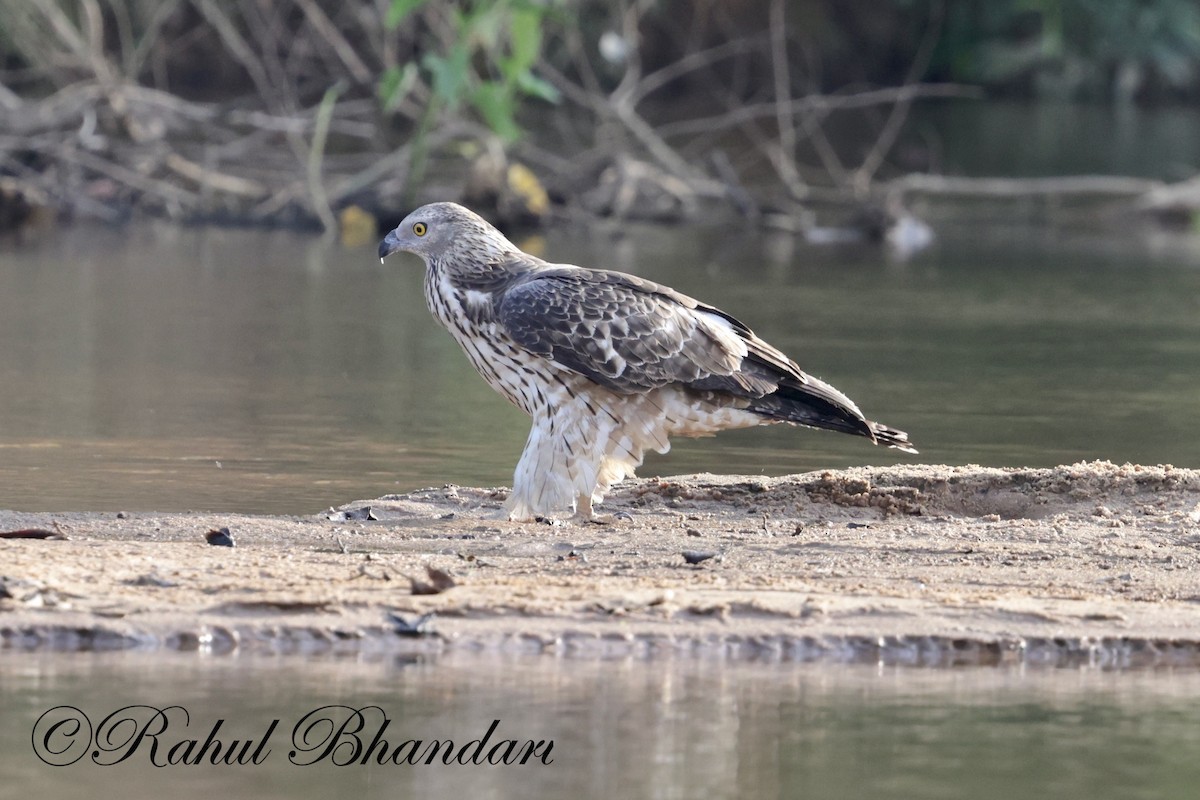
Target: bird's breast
(523, 378)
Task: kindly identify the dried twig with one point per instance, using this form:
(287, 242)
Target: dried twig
(624, 112)
(785, 160)
(316, 154)
(217, 181)
(692, 62)
(815, 102)
(189, 158)
(899, 112)
(135, 59)
(9, 100)
(1080, 185)
(811, 123)
(329, 32)
(237, 46)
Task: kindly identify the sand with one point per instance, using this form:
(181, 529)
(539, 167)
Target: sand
(932, 565)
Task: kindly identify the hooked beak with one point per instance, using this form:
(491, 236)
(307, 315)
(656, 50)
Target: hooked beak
(389, 245)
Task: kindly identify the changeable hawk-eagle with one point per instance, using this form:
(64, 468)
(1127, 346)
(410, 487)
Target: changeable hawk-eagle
(606, 363)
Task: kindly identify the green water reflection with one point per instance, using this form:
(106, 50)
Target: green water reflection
(155, 367)
(670, 729)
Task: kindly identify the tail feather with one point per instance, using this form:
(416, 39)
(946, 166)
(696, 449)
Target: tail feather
(890, 437)
(818, 405)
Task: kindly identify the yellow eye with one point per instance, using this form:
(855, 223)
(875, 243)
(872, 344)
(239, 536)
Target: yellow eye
(419, 228)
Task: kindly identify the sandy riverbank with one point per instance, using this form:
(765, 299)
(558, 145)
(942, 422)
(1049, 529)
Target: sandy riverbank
(928, 564)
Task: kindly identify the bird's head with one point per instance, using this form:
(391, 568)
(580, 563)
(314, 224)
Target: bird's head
(440, 230)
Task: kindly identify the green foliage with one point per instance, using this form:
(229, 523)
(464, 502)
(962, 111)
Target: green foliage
(399, 10)
(395, 83)
(486, 64)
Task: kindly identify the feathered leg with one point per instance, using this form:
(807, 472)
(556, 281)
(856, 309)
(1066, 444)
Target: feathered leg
(560, 465)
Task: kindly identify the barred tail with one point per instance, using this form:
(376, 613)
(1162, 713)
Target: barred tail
(890, 437)
(818, 405)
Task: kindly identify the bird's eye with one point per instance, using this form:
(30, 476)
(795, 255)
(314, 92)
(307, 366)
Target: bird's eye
(419, 228)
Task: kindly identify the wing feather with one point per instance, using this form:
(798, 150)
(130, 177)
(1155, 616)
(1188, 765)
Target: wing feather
(631, 335)
(626, 334)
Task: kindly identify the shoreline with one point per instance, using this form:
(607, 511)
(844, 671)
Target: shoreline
(1087, 564)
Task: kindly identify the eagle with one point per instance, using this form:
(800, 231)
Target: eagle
(606, 363)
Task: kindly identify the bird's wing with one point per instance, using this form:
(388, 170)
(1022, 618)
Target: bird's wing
(631, 335)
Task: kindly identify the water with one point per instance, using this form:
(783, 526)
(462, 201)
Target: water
(670, 729)
(163, 368)
(1030, 139)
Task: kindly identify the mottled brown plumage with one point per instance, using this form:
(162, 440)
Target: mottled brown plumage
(606, 363)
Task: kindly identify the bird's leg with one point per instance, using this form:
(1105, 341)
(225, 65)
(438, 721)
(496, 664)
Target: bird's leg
(584, 513)
(515, 510)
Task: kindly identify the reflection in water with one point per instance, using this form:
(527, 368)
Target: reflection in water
(156, 367)
(675, 728)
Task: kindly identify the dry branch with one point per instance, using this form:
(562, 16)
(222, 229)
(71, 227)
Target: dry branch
(816, 103)
(329, 32)
(217, 181)
(785, 152)
(1005, 188)
(283, 153)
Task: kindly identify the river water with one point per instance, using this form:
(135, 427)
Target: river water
(679, 729)
(155, 367)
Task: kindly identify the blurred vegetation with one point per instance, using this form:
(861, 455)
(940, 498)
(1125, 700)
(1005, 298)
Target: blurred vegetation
(209, 106)
(504, 35)
(1079, 49)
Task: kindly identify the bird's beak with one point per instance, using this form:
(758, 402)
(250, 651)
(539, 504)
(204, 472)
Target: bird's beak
(389, 245)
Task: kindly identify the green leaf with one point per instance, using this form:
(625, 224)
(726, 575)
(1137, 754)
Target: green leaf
(395, 84)
(398, 11)
(449, 74)
(389, 82)
(483, 25)
(534, 86)
(525, 32)
(495, 104)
